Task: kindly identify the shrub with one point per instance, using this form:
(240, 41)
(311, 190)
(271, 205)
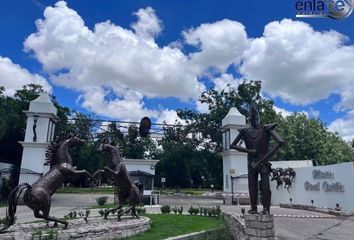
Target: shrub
(193, 210)
(165, 209)
(101, 212)
(141, 210)
(180, 210)
(102, 200)
(175, 210)
(205, 211)
(218, 211)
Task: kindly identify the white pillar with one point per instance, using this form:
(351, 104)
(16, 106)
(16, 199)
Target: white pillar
(41, 119)
(234, 162)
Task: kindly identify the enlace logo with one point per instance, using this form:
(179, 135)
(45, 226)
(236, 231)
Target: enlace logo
(335, 9)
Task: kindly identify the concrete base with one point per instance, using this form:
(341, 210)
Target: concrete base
(259, 227)
(96, 228)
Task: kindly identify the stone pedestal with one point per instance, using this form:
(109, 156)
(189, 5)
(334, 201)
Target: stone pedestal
(259, 227)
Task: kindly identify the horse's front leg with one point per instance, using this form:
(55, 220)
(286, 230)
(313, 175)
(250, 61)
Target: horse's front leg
(110, 174)
(88, 175)
(45, 216)
(101, 171)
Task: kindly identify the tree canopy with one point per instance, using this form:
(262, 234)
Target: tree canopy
(188, 153)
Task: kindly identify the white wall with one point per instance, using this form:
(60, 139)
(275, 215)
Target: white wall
(235, 164)
(342, 173)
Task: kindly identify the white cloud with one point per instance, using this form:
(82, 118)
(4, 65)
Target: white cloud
(282, 111)
(148, 26)
(221, 44)
(314, 113)
(301, 65)
(114, 68)
(224, 80)
(14, 77)
(202, 107)
(344, 126)
(129, 108)
(111, 56)
(170, 117)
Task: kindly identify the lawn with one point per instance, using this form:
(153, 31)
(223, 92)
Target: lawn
(3, 204)
(86, 190)
(169, 225)
(101, 190)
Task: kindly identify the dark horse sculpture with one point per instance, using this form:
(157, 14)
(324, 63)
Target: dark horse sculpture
(116, 172)
(38, 196)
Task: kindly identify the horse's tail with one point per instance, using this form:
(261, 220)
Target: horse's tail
(12, 205)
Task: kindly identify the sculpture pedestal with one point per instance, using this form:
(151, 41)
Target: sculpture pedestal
(97, 228)
(259, 227)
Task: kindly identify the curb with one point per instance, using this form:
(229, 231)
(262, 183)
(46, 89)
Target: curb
(195, 235)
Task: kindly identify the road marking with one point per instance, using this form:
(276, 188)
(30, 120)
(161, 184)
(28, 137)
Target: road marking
(304, 216)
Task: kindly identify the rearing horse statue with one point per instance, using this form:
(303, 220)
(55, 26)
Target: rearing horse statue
(38, 195)
(118, 174)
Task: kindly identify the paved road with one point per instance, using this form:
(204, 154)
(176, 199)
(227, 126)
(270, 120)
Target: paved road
(289, 223)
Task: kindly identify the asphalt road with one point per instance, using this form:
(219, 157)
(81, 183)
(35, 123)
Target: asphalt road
(289, 223)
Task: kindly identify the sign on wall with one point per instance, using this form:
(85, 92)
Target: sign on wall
(322, 182)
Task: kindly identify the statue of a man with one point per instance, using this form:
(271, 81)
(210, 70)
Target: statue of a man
(257, 140)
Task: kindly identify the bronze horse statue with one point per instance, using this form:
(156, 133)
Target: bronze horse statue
(38, 195)
(116, 172)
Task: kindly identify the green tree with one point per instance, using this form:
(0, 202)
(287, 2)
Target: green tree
(208, 125)
(309, 138)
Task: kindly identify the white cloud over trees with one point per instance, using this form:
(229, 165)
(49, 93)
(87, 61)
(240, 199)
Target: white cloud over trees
(14, 77)
(114, 68)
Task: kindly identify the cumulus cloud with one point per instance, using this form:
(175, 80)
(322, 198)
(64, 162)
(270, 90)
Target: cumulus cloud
(114, 68)
(282, 111)
(148, 26)
(14, 77)
(344, 126)
(111, 56)
(224, 81)
(301, 65)
(130, 108)
(202, 107)
(170, 117)
(221, 44)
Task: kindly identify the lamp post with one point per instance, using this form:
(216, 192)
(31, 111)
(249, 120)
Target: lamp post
(35, 119)
(291, 201)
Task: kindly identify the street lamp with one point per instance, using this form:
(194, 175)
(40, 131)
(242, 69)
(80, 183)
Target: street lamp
(35, 119)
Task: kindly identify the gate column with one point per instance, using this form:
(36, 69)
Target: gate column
(41, 119)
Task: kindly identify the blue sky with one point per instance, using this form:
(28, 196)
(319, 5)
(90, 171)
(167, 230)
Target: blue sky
(123, 60)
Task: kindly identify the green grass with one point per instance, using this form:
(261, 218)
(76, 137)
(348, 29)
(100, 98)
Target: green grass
(190, 191)
(169, 225)
(3, 204)
(86, 190)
